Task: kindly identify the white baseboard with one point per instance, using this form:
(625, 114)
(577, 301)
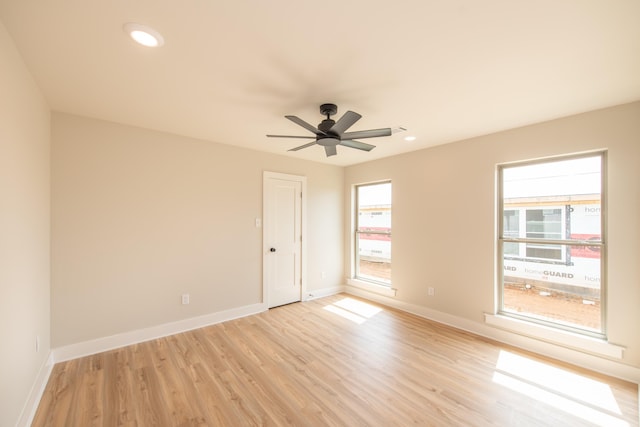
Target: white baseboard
(86, 348)
(324, 292)
(575, 357)
(37, 390)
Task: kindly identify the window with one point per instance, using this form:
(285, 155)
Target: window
(511, 221)
(551, 243)
(372, 254)
(544, 224)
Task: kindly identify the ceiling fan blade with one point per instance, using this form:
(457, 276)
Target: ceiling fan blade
(307, 126)
(372, 133)
(345, 122)
(330, 150)
(291, 136)
(303, 146)
(357, 144)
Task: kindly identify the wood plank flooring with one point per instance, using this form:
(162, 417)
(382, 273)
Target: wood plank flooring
(336, 361)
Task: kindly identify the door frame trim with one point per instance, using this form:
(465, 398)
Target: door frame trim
(266, 175)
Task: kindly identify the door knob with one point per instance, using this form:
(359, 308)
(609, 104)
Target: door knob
(272, 249)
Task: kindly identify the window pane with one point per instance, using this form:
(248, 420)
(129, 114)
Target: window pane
(544, 251)
(511, 248)
(544, 224)
(558, 178)
(374, 207)
(553, 283)
(568, 294)
(374, 260)
(373, 232)
(511, 224)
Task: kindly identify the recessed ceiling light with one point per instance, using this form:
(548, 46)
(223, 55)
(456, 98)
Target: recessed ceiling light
(409, 138)
(143, 35)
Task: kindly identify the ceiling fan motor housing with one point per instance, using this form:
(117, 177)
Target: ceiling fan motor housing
(330, 138)
(326, 125)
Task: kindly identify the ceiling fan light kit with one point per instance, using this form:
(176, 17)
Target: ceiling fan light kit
(329, 133)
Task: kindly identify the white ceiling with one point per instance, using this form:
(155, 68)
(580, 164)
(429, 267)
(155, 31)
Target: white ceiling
(230, 70)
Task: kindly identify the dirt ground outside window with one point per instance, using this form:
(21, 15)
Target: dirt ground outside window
(560, 306)
(379, 270)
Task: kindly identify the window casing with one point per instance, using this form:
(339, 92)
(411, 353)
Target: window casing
(551, 243)
(372, 233)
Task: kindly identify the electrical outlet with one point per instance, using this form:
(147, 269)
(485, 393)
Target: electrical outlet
(323, 275)
(258, 222)
(431, 291)
(185, 299)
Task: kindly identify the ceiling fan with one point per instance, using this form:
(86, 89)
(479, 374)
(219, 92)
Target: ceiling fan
(330, 133)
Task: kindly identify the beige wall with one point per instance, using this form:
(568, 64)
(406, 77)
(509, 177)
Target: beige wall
(24, 231)
(140, 217)
(444, 208)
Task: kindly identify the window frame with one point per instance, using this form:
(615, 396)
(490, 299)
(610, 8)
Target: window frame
(356, 235)
(565, 244)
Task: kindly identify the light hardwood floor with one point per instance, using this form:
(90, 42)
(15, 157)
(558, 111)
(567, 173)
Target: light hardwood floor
(336, 361)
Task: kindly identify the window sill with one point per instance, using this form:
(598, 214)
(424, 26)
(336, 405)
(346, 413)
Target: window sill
(555, 336)
(372, 287)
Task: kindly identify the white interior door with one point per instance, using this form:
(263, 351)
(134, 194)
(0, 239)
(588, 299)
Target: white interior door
(283, 239)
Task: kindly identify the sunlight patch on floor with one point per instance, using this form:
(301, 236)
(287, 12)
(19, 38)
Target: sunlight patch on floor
(354, 310)
(577, 395)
